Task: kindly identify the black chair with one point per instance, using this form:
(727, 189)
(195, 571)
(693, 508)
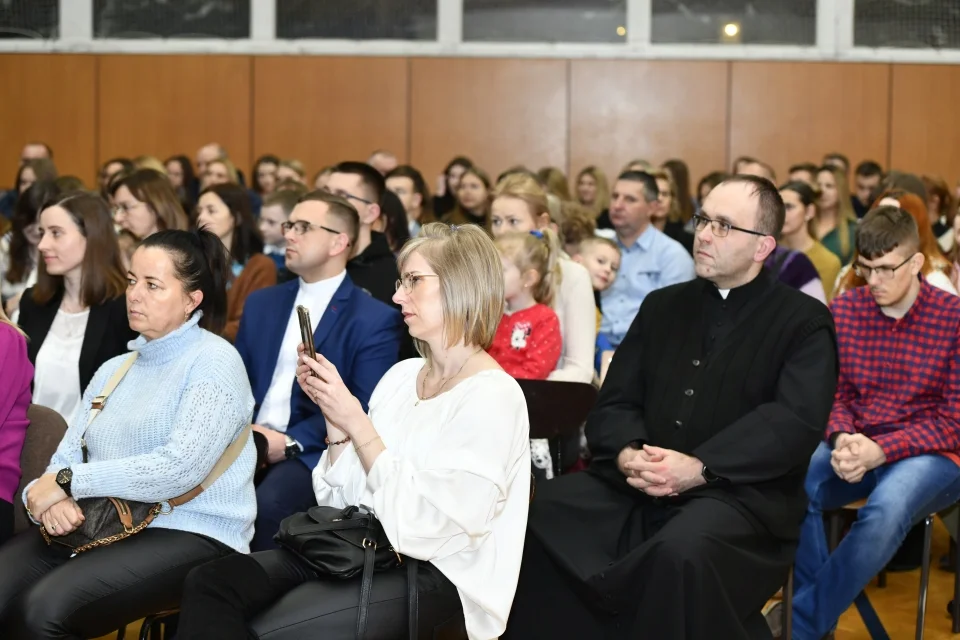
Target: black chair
(865, 609)
(557, 410)
(43, 437)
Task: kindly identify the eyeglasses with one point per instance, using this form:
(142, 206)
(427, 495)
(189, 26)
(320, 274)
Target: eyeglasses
(410, 281)
(884, 273)
(125, 208)
(349, 196)
(300, 227)
(720, 228)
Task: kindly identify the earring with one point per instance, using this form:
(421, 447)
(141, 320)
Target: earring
(186, 316)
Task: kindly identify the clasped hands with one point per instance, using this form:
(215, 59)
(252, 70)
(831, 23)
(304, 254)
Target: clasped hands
(660, 472)
(49, 505)
(853, 455)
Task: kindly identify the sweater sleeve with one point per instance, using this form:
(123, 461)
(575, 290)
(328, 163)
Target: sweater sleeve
(579, 325)
(447, 504)
(211, 412)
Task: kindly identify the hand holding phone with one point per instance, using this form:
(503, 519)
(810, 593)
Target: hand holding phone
(306, 332)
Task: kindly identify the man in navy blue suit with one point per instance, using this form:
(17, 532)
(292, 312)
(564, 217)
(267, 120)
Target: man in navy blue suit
(357, 333)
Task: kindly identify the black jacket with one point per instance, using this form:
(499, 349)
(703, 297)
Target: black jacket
(375, 269)
(107, 334)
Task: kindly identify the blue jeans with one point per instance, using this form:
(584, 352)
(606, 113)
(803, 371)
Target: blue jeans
(898, 495)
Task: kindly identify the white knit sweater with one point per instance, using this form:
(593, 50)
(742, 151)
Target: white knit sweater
(185, 399)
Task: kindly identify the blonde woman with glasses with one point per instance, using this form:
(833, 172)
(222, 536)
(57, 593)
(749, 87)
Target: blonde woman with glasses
(442, 459)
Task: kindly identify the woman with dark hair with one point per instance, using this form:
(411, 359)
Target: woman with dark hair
(18, 248)
(446, 197)
(392, 221)
(183, 400)
(800, 232)
(35, 170)
(681, 179)
(183, 180)
(145, 202)
(110, 170)
(224, 210)
(265, 174)
(75, 316)
(411, 188)
(473, 199)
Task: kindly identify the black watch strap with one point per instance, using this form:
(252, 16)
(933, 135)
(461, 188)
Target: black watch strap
(64, 480)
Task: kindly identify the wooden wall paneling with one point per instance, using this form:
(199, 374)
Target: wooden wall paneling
(925, 131)
(48, 98)
(654, 110)
(323, 110)
(498, 112)
(790, 112)
(165, 105)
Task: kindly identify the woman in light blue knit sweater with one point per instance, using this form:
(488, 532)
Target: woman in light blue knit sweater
(182, 403)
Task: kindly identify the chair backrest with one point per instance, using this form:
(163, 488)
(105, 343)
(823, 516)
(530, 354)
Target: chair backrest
(557, 409)
(43, 436)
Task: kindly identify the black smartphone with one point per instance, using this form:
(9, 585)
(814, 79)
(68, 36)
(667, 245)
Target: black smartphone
(306, 331)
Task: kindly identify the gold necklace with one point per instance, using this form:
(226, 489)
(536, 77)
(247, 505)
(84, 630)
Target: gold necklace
(443, 381)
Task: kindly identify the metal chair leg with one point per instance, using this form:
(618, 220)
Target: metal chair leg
(924, 576)
(787, 607)
(882, 579)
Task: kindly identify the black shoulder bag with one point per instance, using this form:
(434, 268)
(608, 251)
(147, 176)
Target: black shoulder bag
(341, 543)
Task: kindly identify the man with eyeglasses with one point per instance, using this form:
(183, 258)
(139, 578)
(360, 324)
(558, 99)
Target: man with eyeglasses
(650, 260)
(361, 336)
(372, 266)
(894, 431)
(687, 519)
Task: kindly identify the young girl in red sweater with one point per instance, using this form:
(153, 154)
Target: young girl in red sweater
(528, 340)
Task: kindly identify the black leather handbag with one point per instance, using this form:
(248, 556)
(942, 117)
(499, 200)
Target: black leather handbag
(342, 543)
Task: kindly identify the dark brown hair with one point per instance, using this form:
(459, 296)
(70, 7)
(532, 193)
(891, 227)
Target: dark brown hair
(25, 213)
(770, 208)
(201, 264)
(246, 237)
(681, 179)
(419, 186)
(339, 208)
(884, 229)
(103, 277)
(154, 190)
(43, 170)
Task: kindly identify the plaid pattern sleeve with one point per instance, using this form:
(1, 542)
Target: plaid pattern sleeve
(899, 378)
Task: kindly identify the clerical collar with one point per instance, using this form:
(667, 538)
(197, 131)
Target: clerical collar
(744, 291)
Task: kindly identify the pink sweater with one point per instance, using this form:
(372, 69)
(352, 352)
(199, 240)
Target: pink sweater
(16, 373)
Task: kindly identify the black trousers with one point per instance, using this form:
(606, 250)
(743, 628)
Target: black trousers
(46, 594)
(286, 489)
(6, 521)
(274, 595)
(601, 563)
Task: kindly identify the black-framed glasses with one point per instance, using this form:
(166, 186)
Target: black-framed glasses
(300, 227)
(350, 196)
(410, 281)
(720, 228)
(884, 273)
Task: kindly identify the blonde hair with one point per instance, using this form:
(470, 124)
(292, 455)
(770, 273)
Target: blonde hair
(526, 188)
(599, 241)
(294, 165)
(150, 162)
(537, 251)
(230, 167)
(602, 200)
(555, 182)
(5, 320)
(637, 162)
(471, 282)
(845, 212)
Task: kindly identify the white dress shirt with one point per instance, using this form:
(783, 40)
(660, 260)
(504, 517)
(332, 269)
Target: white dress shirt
(56, 384)
(275, 409)
(452, 487)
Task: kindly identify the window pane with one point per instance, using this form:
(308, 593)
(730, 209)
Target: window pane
(358, 19)
(890, 23)
(545, 20)
(29, 18)
(171, 19)
(791, 22)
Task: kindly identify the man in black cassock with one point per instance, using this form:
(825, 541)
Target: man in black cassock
(687, 519)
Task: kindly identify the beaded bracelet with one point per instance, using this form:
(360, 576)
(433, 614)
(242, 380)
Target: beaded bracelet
(329, 443)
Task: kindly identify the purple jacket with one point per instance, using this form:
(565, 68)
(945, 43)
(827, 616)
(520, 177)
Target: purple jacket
(16, 373)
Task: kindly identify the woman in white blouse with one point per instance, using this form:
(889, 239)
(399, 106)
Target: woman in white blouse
(442, 459)
(75, 317)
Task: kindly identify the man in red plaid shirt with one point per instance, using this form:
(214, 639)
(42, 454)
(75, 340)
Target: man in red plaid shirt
(894, 431)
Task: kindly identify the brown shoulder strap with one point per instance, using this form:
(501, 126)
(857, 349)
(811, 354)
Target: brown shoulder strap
(228, 458)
